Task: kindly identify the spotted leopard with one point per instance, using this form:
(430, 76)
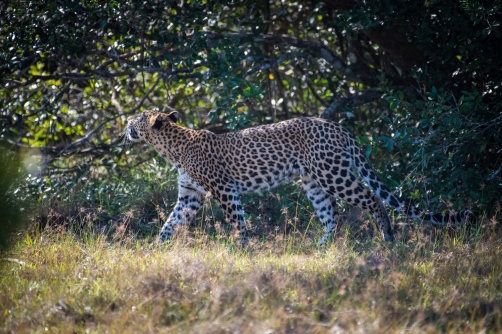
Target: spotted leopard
(320, 152)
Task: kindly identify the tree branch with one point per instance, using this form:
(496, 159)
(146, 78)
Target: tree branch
(87, 136)
(316, 50)
(355, 100)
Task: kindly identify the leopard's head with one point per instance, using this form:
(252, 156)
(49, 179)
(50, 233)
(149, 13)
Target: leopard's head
(143, 126)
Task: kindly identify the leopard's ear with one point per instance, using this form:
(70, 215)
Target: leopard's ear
(156, 122)
(174, 116)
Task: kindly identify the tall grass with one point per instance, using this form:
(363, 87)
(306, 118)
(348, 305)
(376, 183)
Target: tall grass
(94, 265)
(60, 281)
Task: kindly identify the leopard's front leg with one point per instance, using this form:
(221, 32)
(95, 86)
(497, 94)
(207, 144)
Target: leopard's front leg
(231, 204)
(190, 199)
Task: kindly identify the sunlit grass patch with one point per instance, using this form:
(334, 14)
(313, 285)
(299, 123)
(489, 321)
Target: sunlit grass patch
(59, 282)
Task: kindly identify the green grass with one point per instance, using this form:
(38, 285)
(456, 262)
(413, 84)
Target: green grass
(56, 281)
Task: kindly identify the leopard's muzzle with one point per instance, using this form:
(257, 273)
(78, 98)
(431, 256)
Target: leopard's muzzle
(132, 134)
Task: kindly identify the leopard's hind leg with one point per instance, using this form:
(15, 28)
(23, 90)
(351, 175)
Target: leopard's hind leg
(339, 180)
(323, 205)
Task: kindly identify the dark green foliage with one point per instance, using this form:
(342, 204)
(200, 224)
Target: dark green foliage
(447, 131)
(418, 83)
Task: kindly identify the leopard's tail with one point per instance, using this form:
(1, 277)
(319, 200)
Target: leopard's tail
(403, 205)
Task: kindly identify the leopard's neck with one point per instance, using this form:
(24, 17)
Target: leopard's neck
(171, 142)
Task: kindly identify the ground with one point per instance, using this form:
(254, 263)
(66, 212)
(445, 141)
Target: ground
(61, 281)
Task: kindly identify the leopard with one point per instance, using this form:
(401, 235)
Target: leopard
(320, 154)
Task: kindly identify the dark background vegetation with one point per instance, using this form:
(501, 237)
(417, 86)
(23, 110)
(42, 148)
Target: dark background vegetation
(417, 82)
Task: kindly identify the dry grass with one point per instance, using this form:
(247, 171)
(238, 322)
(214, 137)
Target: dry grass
(57, 282)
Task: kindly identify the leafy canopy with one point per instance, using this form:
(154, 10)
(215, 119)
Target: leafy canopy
(418, 83)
